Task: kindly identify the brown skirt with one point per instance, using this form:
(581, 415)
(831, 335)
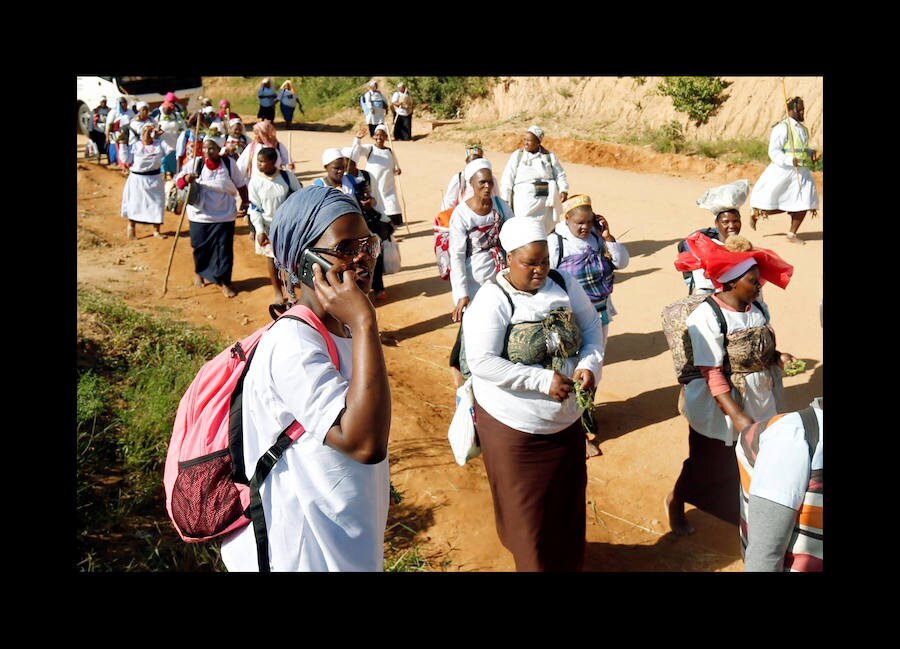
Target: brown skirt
(709, 478)
(538, 485)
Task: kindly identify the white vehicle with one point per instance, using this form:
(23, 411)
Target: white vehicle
(149, 89)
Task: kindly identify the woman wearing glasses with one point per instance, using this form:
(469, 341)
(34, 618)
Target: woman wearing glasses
(326, 502)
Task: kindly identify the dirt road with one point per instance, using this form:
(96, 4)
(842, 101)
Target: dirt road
(643, 438)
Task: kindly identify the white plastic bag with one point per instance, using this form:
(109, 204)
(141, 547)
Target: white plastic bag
(391, 252)
(462, 435)
(725, 197)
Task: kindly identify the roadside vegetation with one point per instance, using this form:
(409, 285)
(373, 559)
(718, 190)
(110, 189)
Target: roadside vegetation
(330, 99)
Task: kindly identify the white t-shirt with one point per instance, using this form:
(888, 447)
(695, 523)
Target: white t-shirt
(762, 393)
(781, 472)
(516, 394)
(324, 511)
(266, 193)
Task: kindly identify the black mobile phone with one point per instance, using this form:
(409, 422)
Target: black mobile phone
(306, 266)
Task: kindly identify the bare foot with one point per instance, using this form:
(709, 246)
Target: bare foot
(591, 449)
(227, 291)
(675, 514)
(130, 231)
(793, 238)
(159, 235)
(199, 282)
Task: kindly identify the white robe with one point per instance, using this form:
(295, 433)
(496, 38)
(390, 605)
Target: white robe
(517, 189)
(144, 197)
(380, 164)
(777, 187)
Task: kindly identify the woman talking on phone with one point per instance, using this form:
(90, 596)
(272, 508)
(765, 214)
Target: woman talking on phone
(326, 501)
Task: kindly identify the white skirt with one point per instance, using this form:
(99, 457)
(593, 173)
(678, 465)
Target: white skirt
(144, 198)
(777, 189)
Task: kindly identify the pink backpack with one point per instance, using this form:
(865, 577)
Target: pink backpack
(208, 491)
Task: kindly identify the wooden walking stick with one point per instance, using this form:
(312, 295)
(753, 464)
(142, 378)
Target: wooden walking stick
(183, 207)
(791, 135)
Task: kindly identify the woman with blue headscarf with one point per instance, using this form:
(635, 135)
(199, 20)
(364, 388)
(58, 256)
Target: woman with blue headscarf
(326, 501)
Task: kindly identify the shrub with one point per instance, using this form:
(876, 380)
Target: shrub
(699, 97)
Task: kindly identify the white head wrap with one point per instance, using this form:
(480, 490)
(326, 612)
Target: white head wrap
(330, 155)
(380, 127)
(208, 110)
(520, 231)
(537, 131)
(234, 120)
(142, 104)
(346, 151)
(476, 165)
(737, 270)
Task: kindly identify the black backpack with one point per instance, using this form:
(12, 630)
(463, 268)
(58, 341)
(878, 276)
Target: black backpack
(712, 233)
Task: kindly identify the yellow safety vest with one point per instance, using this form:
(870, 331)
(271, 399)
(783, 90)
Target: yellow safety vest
(798, 135)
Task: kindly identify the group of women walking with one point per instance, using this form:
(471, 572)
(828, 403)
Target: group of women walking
(531, 274)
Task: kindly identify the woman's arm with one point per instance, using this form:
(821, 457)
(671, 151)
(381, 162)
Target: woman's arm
(484, 329)
(362, 430)
(457, 247)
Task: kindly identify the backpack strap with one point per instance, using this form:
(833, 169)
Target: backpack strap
(255, 511)
(559, 258)
(287, 181)
(811, 428)
(719, 315)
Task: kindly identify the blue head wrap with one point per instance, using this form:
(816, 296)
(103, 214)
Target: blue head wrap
(301, 219)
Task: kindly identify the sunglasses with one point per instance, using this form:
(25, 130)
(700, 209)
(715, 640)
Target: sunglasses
(353, 248)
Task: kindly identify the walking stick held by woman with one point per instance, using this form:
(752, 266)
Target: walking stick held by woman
(791, 135)
(183, 208)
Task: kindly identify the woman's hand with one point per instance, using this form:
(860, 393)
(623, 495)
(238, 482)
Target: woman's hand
(741, 421)
(341, 297)
(586, 377)
(784, 358)
(460, 307)
(603, 226)
(361, 133)
(262, 239)
(561, 386)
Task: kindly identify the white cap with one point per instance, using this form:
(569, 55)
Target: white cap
(476, 165)
(330, 155)
(520, 231)
(347, 150)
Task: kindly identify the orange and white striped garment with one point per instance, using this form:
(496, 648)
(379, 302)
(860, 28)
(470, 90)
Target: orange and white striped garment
(781, 460)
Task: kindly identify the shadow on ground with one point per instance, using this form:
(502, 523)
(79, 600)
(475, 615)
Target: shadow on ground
(635, 347)
(617, 418)
(714, 545)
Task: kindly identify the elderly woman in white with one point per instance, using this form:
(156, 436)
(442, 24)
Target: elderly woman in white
(475, 251)
(534, 182)
(529, 336)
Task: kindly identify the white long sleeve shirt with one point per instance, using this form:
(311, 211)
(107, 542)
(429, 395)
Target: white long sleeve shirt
(217, 194)
(470, 267)
(516, 394)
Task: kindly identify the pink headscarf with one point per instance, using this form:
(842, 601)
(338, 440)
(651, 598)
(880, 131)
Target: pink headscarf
(264, 132)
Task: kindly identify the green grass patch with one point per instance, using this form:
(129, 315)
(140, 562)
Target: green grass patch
(322, 97)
